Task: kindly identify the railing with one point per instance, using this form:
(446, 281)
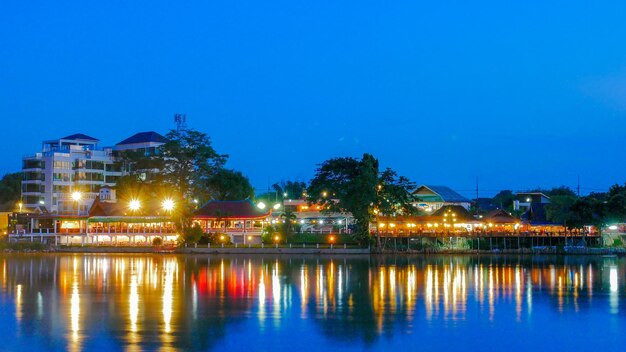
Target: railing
(484, 234)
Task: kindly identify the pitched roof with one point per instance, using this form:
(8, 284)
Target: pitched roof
(80, 136)
(499, 216)
(144, 137)
(461, 214)
(230, 209)
(536, 215)
(446, 193)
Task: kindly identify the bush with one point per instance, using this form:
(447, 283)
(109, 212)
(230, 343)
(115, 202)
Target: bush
(191, 235)
(22, 246)
(314, 238)
(215, 238)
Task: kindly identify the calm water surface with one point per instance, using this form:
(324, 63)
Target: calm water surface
(156, 302)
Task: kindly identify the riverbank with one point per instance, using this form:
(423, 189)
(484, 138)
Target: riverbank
(553, 250)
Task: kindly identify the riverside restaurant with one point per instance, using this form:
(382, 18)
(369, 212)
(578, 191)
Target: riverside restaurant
(240, 220)
(106, 223)
(456, 221)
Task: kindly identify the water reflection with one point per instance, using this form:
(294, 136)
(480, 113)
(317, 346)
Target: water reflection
(175, 302)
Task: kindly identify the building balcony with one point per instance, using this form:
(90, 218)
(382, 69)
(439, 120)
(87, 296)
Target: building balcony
(39, 181)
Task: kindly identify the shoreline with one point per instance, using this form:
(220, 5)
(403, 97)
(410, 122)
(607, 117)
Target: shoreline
(562, 251)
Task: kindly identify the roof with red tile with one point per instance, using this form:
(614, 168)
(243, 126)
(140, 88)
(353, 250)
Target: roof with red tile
(230, 209)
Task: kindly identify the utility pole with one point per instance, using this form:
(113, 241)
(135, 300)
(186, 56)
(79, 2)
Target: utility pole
(476, 188)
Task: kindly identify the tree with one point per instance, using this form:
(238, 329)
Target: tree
(288, 226)
(10, 189)
(561, 191)
(504, 199)
(227, 184)
(559, 210)
(188, 160)
(355, 186)
(290, 189)
(615, 204)
(587, 211)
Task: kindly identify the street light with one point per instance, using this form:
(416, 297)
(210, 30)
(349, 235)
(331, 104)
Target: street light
(134, 205)
(168, 205)
(276, 206)
(77, 196)
(261, 205)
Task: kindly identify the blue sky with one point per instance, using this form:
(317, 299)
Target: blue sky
(519, 95)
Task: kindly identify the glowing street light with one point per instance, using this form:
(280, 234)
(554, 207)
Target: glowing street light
(77, 196)
(276, 238)
(134, 205)
(168, 205)
(20, 204)
(276, 206)
(261, 205)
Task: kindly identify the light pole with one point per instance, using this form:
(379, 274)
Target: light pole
(77, 196)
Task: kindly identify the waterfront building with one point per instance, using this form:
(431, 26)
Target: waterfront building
(66, 175)
(524, 200)
(240, 220)
(501, 221)
(312, 218)
(74, 163)
(430, 198)
(107, 222)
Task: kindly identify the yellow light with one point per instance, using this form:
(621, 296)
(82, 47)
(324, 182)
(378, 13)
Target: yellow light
(332, 238)
(392, 225)
(222, 237)
(134, 205)
(324, 194)
(249, 238)
(275, 238)
(77, 196)
(168, 205)
(382, 224)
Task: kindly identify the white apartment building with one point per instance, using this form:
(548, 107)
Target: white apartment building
(75, 164)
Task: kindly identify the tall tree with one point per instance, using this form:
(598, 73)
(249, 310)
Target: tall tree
(188, 160)
(355, 186)
(227, 184)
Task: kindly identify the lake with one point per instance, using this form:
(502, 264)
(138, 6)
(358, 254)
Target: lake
(102, 302)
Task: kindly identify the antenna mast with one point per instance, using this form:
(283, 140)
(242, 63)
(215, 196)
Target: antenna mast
(181, 121)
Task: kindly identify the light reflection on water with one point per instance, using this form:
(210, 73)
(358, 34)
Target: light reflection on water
(78, 302)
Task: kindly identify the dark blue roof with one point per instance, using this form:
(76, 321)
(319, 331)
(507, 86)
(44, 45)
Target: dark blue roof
(80, 136)
(536, 215)
(144, 137)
